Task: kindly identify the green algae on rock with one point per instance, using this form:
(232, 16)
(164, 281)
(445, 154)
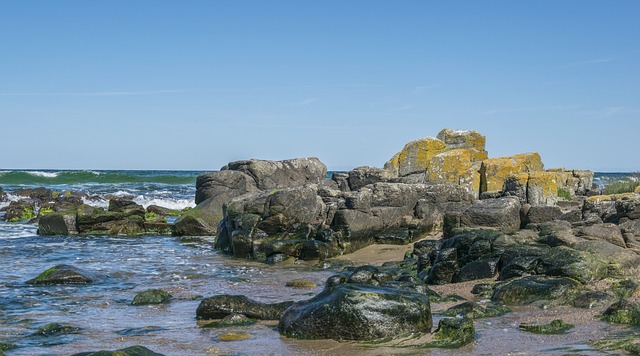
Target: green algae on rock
(127, 351)
(554, 327)
(452, 333)
(152, 296)
(62, 274)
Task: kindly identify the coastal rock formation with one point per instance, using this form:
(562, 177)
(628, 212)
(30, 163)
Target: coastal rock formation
(62, 274)
(220, 306)
(358, 312)
(241, 177)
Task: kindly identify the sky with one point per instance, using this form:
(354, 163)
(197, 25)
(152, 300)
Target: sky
(154, 84)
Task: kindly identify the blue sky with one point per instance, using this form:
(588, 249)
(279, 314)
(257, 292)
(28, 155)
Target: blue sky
(195, 84)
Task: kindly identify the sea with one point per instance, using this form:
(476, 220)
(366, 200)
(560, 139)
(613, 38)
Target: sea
(189, 268)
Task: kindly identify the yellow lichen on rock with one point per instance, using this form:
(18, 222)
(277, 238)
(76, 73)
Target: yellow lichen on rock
(469, 139)
(415, 156)
(637, 190)
(542, 188)
(457, 167)
(392, 165)
(495, 171)
(613, 197)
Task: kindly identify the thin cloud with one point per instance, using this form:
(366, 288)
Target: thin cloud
(422, 88)
(590, 62)
(304, 102)
(614, 111)
(531, 109)
(102, 93)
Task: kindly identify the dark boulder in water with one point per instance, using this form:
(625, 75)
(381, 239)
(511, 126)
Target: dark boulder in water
(63, 274)
(219, 306)
(127, 351)
(58, 223)
(152, 296)
(42, 194)
(358, 312)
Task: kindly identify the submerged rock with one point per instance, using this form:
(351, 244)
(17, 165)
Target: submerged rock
(56, 329)
(231, 320)
(152, 296)
(554, 327)
(358, 312)
(127, 351)
(219, 306)
(63, 274)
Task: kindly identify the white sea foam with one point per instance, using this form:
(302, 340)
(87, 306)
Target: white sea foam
(43, 174)
(14, 231)
(98, 203)
(176, 204)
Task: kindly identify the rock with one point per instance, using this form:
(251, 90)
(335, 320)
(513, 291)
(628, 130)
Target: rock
(233, 336)
(453, 333)
(556, 326)
(219, 306)
(415, 156)
(625, 288)
(19, 211)
(152, 296)
(466, 139)
(127, 351)
(58, 223)
(622, 312)
(301, 283)
(56, 329)
(62, 274)
(628, 209)
(516, 186)
(96, 221)
(126, 207)
(556, 233)
(621, 261)
(591, 299)
(3, 195)
(472, 310)
(358, 312)
(526, 290)
(363, 176)
(231, 320)
(477, 270)
(495, 171)
(542, 188)
(502, 214)
(459, 167)
(342, 180)
(610, 233)
(541, 214)
(223, 186)
(162, 211)
(40, 193)
(282, 174)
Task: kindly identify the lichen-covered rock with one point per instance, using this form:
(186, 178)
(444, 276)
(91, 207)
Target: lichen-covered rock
(151, 296)
(219, 306)
(62, 274)
(541, 214)
(610, 233)
(467, 139)
(495, 171)
(415, 156)
(358, 312)
(203, 220)
(281, 174)
(622, 312)
(459, 167)
(542, 188)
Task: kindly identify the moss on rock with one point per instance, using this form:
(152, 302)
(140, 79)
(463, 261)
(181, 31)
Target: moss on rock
(554, 327)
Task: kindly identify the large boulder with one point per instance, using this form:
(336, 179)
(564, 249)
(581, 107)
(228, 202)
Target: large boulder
(202, 220)
(358, 312)
(526, 290)
(415, 156)
(501, 214)
(224, 186)
(253, 222)
(495, 171)
(362, 176)
(122, 220)
(58, 223)
(542, 188)
(281, 174)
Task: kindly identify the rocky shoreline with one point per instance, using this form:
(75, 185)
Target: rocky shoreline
(515, 233)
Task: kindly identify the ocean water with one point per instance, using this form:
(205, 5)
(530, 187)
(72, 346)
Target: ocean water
(188, 268)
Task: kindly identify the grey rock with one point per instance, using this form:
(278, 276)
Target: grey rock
(282, 174)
